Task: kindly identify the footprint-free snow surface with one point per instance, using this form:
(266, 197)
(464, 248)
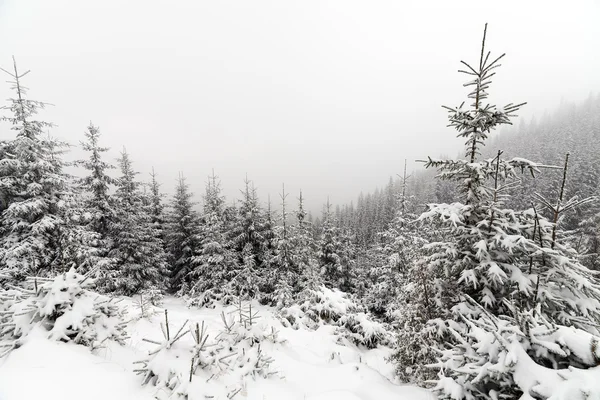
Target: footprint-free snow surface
(312, 365)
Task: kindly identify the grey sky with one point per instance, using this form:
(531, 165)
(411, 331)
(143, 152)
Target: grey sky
(327, 96)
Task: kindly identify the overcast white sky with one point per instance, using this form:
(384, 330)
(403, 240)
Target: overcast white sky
(327, 96)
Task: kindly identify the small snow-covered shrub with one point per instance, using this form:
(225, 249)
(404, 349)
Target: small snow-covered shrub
(63, 306)
(242, 324)
(334, 307)
(246, 336)
(211, 367)
(146, 301)
(362, 330)
(209, 298)
(153, 295)
(317, 307)
(164, 364)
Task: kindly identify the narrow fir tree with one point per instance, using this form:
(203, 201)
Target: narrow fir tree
(329, 249)
(97, 203)
(156, 202)
(250, 244)
(286, 260)
(308, 264)
(394, 255)
(97, 183)
(182, 236)
(269, 271)
(214, 265)
(138, 252)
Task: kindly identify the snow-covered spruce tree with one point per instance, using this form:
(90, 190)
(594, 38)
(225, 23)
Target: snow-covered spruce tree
(97, 202)
(36, 193)
(214, 265)
(329, 261)
(310, 282)
(269, 270)
(152, 199)
(393, 256)
(157, 207)
(347, 253)
(181, 236)
(413, 304)
(247, 280)
(97, 183)
(250, 245)
(140, 260)
(303, 238)
(286, 259)
(334, 253)
(496, 264)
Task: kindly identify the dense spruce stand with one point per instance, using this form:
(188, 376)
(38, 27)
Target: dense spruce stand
(478, 275)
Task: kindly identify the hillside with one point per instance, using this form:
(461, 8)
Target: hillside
(573, 129)
(310, 365)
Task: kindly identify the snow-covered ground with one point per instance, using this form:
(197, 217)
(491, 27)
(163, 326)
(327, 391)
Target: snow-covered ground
(311, 365)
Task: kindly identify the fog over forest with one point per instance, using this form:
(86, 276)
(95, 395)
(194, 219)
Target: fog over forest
(327, 96)
(317, 200)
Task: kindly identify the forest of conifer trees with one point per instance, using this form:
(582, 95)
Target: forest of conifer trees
(481, 277)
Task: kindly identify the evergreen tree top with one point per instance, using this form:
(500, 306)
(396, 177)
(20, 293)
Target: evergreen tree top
(23, 109)
(127, 184)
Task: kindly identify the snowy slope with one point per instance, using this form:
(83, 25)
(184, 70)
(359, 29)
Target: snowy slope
(313, 366)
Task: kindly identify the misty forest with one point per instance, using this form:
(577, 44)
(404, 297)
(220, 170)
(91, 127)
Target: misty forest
(469, 277)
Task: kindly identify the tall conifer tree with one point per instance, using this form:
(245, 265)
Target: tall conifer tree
(181, 236)
(36, 193)
(136, 244)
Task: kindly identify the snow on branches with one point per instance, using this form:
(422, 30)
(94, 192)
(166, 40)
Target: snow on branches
(211, 366)
(331, 306)
(65, 308)
(521, 354)
(503, 298)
